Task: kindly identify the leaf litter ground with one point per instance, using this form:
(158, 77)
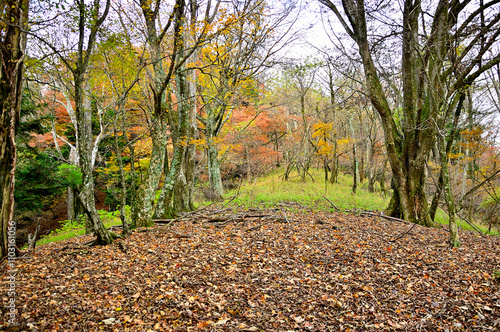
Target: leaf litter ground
(278, 271)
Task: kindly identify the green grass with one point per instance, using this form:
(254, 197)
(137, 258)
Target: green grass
(270, 190)
(442, 218)
(70, 230)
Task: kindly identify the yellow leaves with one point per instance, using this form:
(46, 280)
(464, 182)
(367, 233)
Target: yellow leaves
(322, 129)
(324, 148)
(474, 140)
(143, 147)
(452, 155)
(182, 142)
(198, 142)
(344, 141)
(111, 168)
(323, 132)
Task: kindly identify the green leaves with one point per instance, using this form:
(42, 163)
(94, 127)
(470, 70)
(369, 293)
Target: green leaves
(71, 175)
(36, 181)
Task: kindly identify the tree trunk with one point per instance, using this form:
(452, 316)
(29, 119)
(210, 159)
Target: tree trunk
(335, 165)
(190, 103)
(382, 178)
(85, 147)
(190, 163)
(147, 190)
(132, 173)
(355, 176)
(74, 208)
(214, 172)
(454, 239)
(325, 168)
(176, 193)
(70, 203)
(163, 209)
(146, 195)
(12, 48)
(370, 165)
(434, 73)
(123, 186)
(181, 188)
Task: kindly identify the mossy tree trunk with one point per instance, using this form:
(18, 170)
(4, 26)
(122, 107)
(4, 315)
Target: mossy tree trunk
(433, 73)
(177, 192)
(144, 204)
(454, 239)
(214, 176)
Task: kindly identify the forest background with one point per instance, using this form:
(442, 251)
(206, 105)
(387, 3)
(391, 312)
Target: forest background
(148, 106)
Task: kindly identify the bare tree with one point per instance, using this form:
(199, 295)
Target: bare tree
(439, 58)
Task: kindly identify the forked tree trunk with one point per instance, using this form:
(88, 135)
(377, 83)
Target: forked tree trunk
(85, 146)
(181, 189)
(188, 127)
(177, 190)
(144, 203)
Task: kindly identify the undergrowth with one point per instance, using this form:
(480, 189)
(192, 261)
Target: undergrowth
(273, 191)
(71, 229)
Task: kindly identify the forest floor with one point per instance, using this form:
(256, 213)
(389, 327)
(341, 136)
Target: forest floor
(263, 270)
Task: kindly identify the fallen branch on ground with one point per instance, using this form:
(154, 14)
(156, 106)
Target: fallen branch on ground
(334, 206)
(401, 236)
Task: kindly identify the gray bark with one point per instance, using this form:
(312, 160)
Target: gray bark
(429, 85)
(123, 185)
(355, 176)
(454, 239)
(214, 176)
(143, 210)
(84, 118)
